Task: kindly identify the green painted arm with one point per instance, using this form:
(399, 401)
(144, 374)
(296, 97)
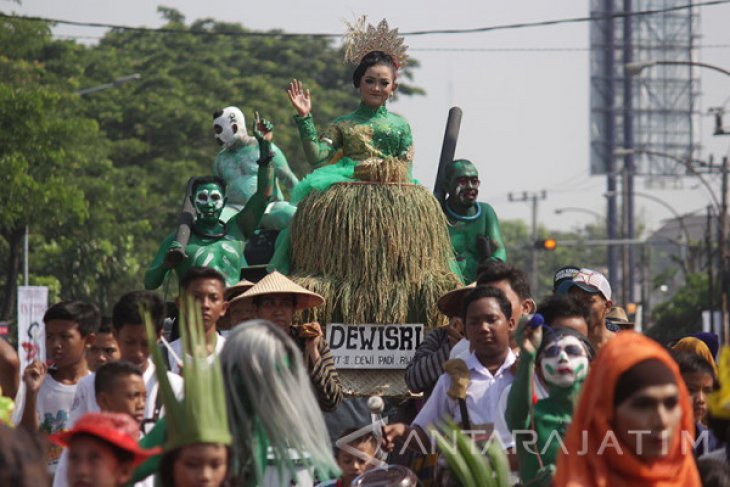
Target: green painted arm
(499, 251)
(155, 274)
(315, 150)
(248, 218)
(519, 400)
(283, 172)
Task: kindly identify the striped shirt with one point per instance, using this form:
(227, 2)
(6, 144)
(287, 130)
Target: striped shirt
(325, 380)
(427, 364)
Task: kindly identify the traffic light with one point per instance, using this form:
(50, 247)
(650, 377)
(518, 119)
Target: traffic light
(546, 244)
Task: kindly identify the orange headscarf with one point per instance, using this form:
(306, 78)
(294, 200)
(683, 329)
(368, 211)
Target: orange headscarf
(583, 466)
(697, 347)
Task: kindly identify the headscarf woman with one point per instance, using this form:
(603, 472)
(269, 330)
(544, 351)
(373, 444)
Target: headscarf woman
(634, 424)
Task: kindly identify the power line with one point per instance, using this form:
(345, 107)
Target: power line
(455, 49)
(535, 49)
(520, 25)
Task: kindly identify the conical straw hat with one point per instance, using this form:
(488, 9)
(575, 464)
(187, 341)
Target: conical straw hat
(452, 302)
(239, 288)
(277, 283)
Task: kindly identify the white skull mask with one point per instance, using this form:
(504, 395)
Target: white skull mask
(229, 126)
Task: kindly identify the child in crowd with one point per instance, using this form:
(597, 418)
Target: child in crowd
(353, 457)
(103, 450)
(699, 376)
(207, 287)
(70, 329)
(104, 349)
(119, 388)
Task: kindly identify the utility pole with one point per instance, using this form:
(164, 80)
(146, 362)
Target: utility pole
(724, 255)
(710, 273)
(629, 259)
(533, 198)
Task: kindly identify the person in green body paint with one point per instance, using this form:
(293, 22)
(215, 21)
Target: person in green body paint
(563, 356)
(473, 226)
(214, 243)
(236, 165)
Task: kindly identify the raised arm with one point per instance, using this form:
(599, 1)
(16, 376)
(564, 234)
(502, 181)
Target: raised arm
(248, 218)
(283, 172)
(316, 150)
(520, 396)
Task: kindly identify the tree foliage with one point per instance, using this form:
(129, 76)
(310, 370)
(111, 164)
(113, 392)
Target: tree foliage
(682, 314)
(100, 178)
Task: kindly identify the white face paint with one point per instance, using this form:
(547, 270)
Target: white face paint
(229, 127)
(564, 361)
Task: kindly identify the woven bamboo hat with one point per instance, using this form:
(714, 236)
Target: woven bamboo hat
(239, 288)
(452, 302)
(277, 283)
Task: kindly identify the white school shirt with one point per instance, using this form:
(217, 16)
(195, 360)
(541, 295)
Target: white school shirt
(500, 423)
(482, 397)
(53, 407)
(177, 346)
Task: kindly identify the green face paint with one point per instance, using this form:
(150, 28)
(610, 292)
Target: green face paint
(463, 183)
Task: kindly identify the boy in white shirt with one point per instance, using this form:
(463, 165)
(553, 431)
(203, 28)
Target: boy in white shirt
(488, 325)
(70, 328)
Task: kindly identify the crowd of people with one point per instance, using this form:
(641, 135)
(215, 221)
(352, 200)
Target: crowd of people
(570, 401)
(232, 385)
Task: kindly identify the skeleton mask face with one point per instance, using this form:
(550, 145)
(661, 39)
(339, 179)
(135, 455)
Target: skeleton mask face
(208, 200)
(229, 126)
(564, 361)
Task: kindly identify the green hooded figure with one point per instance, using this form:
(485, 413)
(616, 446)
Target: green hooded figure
(473, 226)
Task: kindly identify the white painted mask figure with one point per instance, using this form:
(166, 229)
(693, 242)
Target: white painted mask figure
(564, 361)
(229, 125)
(209, 201)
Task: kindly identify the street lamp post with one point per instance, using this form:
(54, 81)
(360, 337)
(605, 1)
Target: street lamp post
(634, 68)
(559, 211)
(626, 296)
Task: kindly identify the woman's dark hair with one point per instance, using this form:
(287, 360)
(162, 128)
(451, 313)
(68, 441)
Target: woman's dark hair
(690, 363)
(371, 59)
(166, 464)
(22, 458)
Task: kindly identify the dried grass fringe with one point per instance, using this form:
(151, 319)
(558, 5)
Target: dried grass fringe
(378, 254)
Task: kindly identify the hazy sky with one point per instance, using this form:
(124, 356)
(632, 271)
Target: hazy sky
(526, 114)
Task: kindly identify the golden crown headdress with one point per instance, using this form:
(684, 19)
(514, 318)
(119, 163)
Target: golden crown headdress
(362, 38)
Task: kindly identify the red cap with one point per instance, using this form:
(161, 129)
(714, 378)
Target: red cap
(118, 429)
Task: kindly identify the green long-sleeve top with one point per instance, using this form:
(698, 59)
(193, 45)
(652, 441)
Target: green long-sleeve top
(366, 132)
(552, 418)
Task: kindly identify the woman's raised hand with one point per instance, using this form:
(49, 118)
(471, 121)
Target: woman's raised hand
(300, 98)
